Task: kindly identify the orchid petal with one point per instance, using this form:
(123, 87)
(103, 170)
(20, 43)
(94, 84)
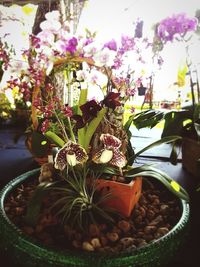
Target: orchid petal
(118, 159)
(110, 141)
(71, 154)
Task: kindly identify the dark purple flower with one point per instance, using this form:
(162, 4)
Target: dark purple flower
(112, 45)
(90, 110)
(112, 100)
(79, 121)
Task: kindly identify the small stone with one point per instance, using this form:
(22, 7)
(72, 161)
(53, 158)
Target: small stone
(124, 226)
(149, 229)
(104, 241)
(164, 209)
(95, 243)
(142, 212)
(150, 214)
(163, 230)
(156, 201)
(138, 219)
(87, 246)
(113, 237)
(127, 241)
(148, 237)
(157, 220)
(142, 244)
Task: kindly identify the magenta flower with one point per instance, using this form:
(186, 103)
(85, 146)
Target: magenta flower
(71, 46)
(112, 45)
(110, 153)
(71, 154)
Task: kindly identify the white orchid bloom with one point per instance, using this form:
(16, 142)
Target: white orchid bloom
(104, 57)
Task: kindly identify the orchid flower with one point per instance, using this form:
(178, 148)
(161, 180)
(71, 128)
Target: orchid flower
(110, 153)
(71, 154)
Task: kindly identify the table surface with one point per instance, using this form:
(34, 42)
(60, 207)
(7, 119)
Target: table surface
(15, 159)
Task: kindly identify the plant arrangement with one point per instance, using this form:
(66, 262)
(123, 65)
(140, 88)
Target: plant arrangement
(89, 188)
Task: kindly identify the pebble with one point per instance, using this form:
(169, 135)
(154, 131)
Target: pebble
(87, 246)
(113, 237)
(124, 226)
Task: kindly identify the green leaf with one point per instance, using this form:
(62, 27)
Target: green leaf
(35, 203)
(54, 138)
(164, 140)
(167, 181)
(92, 126)
(148, 118)
(174, 122)
(39, 144)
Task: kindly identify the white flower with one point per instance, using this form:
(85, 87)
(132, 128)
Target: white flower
(81, 75)
(91, 49)
(104, 57)
(53, 15)
(50, 26)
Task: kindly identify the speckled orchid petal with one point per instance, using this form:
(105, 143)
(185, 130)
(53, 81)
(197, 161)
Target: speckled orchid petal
(103, 156)
(118, 159)
(71, 154)
(110, 141)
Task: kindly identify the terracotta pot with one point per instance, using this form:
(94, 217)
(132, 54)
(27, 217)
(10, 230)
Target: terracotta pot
(123, 196)
(23, 250)
(190, 156)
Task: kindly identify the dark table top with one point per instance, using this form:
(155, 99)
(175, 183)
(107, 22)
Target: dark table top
(15, 159)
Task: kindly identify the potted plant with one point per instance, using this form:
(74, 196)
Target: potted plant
(184, 122)
(89, 195)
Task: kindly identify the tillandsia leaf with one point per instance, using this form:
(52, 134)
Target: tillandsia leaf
(54, 138)
(71, 154)
(34, 205)
(164, 140)
(166, 180)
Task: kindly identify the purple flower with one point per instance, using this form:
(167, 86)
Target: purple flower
(90, 110)
(179, 24)
(139, 29)
(112, 45)
(112, 100)
(71, 46)
(128, 44)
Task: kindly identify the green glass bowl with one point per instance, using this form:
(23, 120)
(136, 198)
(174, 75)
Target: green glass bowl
(24, 251)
